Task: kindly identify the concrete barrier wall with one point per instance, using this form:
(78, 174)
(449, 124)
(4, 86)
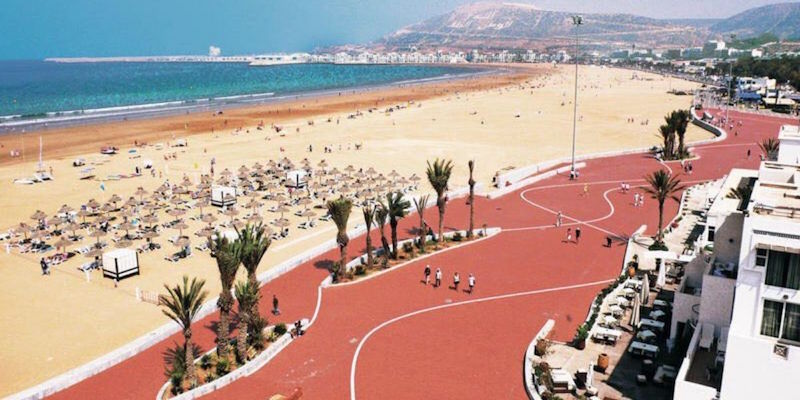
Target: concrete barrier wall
(527, 369)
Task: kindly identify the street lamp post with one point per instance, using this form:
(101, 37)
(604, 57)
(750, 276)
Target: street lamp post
(577, 20)
(730, 85)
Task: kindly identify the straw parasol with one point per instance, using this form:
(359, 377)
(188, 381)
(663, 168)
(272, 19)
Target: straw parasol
(176, 212)
(182, 242)
(127, 226)
(141, 193)
(305, 202)
(65, 209)
(73, 227)
(93, 253)
(180, 226)
(254, 219)
(83, 214)
(209, 218)
(62, 243)
(38, 215)
(645, 288)
(124, 243)
(282, 223)
(24, 229)
(635, 312)
(97, 233)
(282, 209)
(308, 214)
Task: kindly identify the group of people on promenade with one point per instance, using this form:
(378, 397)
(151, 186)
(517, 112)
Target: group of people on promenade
(437, 279)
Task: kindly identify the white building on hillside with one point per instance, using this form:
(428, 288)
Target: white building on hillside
(744, 300)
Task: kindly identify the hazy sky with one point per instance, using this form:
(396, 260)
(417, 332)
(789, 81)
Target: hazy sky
(32, 29)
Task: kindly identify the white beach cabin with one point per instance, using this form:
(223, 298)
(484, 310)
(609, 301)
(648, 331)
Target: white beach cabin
(223, 196)
(296, 179)
(120, 263)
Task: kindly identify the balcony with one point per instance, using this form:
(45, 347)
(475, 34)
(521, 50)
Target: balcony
(700, 375)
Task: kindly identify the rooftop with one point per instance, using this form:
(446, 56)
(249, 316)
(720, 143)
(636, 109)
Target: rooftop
(789, 132)
(724, 204)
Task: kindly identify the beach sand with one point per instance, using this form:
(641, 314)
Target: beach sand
(57, 322)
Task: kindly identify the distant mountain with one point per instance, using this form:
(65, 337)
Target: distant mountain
(487, 25)
(781, 20)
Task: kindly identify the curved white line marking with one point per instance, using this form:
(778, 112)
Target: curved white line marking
(588, 223)
(444, 306)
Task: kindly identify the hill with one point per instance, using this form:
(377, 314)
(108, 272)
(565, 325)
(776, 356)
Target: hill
(487, 25)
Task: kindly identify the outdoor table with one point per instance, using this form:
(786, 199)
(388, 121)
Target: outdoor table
(623, 302)
(660, 303)
(609, 321)
(656, 314)
(608, 335)
(633, 283)
(644, 349)
(629, 293)
(651, 324)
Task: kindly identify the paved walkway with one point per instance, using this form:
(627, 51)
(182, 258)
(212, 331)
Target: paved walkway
(394, 337)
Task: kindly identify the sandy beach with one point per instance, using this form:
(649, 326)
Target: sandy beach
(60, 321)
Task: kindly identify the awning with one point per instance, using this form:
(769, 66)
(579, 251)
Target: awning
(784, 244)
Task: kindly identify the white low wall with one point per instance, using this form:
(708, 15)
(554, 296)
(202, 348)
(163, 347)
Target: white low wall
(685, 390)
(530, 353)
(245, 370)
(502, 191)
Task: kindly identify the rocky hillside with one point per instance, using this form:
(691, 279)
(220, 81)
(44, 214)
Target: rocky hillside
(509, 25)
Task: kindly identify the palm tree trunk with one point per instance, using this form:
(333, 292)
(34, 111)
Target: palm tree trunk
(342, 259)
(251, 276)
(241, 343)
(422, 233)
(189, 358)
(471, 209)
(369, 248)
(660, 235)
(440, 204)
(384, 243)
(223, 330)
(393, 225)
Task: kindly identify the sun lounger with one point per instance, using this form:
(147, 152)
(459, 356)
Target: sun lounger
(706, 336)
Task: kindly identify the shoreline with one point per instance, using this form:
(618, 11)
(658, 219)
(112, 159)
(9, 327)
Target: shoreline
(10, 124)
(156, 125)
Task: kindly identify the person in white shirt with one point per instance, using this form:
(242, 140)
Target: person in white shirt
(471, 282)
(438, 279)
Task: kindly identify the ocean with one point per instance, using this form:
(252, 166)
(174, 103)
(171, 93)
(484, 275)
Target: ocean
(39, 92)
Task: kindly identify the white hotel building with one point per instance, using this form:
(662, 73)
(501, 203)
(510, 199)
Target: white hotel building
(748, 291)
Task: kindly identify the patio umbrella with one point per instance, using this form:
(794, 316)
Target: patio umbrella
(38, 215)
(615, 309)
(657, 314)
(176, 212)
(124, 243)
(202, 204)
(635, 312)
(73, 227)
(62, 243)
(609, 320)
(645, 288)
(237, 224)
(83, 214)
(97, 233)
(662, 275)
(305, 202)
(141, 193)
(209, 219)
(182, 242)
(231, 212)
(308, 214)
(93, 253)
(282, 223)
(282, 209)
(645, 335)
(127, 226)
(180, 226)
(254, 219)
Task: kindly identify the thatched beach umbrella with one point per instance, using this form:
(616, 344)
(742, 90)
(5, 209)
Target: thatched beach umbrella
(38, 215)
(98, 233)
(180, 226)
(209, 219)
(96, 252)
(62, 243)
(141, 193)
(123, 243)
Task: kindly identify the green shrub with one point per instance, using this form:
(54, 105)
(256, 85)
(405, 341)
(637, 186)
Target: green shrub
(205, 361)
(223, 366)
(280, 329)
(255, 332)
(176, 380)
(210, 377)
(408, 247)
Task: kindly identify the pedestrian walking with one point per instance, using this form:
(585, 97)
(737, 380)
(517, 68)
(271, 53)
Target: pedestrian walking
(569, 235)
(438, 279)
(471, 282)
(586, 190)
(748, 154)
(558, 219)
(608, 241)
(275, 309)
(636, 199)
(427, 273)
(578, 234)
(456, 281)
(43, 264)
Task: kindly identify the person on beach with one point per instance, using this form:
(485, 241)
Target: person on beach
(43, 264)
(569, 235)
(438, 279)
(456, 281)
(275, 309)
(427, 274)
(471, 282)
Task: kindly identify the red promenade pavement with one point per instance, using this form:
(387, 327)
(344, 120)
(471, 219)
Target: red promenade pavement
(457, 345)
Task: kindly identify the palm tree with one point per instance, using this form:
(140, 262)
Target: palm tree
(471, 182)
(397, 208)
(662, 187)
(681, 120)
(248, 295)
(369, 219)
(381, 214)
(740, 193)
(339, 210)
(421, 203)
(227, 254)
(769, 147)
(181, 304)
(668, 136)
(438, 176)
(254, 244)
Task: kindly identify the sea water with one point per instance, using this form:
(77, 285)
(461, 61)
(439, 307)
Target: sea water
(44, 91)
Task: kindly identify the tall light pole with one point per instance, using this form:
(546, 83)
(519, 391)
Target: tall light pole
(730, 85)
(577, 20)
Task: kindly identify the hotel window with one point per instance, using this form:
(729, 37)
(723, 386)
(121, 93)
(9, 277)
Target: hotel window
(783, 269)
(761, 257)
(711, 231)
(781, 320)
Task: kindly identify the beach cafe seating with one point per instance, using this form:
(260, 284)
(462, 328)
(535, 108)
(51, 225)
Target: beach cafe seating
(665, 374)
(658, 326)
(606, 335)
(643, 349)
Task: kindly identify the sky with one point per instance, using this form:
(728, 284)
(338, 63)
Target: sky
(35, 29)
